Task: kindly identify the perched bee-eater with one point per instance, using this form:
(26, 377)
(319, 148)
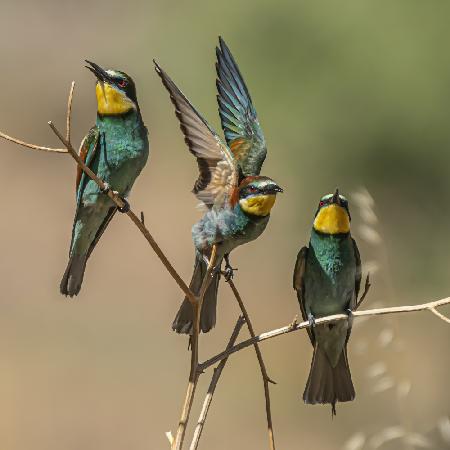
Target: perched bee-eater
(327, 278)
(238, 206)
(116, 149)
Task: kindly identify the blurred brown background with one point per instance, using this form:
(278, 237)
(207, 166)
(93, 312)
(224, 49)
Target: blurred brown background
(352, 94)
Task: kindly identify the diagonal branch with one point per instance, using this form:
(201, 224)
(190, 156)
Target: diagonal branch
(212, 387)
(298, 326)
(366, 291)
(262, 366)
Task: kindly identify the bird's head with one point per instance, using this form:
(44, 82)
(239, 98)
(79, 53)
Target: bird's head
(332, 216)
(257, 195)
(116, 92)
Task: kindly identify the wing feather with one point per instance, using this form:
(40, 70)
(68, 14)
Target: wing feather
(299, 285)
(240, 123)
(218, 174)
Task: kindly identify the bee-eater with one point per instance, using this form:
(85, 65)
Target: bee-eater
(327, 278)
(238, 206)
(116, 149)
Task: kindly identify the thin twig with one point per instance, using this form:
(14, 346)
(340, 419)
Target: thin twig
(33, 146)
(262, 366)
(366, 290)
(194, 373)
(69, 111)
(290, 328)
(212, 387)
(440, 315)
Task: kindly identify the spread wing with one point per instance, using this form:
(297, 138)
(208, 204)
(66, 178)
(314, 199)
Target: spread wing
(218, 176)
(299, 285)
(239, 120)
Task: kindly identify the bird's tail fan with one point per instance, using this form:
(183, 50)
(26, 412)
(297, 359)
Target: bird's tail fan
(327, 384)
(73, 276)
(183, 322)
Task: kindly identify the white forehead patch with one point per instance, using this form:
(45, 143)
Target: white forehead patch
(112, 73)
(328, 196)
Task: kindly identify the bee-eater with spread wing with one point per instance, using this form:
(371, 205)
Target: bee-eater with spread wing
(238, 206)
(327, 278)
(116, 149)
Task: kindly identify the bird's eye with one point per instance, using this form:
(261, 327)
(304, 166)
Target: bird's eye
(122, 83)
(321, 203)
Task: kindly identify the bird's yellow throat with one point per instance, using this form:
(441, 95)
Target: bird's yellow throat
(332, 219)
(111, 101)
(258, 205)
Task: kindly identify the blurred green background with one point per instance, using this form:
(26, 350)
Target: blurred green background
(354, 94)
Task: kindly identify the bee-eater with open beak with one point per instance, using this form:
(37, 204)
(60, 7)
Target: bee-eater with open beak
(116, 149)
(238, 205)
(327, 278)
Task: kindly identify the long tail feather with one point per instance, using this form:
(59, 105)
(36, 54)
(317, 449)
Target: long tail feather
(327, 384)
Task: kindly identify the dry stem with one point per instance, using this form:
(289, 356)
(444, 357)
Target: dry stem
(430, 306)
(212, 387)
(194, 372)
(262, 366)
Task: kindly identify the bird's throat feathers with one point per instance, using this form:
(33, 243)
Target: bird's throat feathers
(111, 101)
(332, 219)
(258, 205)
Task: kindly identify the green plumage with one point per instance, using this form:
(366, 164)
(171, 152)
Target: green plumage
(327, 278)
(117, 150)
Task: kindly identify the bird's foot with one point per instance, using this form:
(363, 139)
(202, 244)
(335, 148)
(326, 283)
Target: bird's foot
(311, 320)
(106, 188)
(229, 271)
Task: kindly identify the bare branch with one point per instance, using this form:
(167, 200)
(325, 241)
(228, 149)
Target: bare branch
(366, 290)
(33, 146)
(295, 327)
(69, 111)
(440, 315)
(262, 366)
(196, 304)
(212, 387)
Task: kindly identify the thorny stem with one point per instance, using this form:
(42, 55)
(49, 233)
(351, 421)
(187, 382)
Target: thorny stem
(298, 326)
(212, 387)
(262, 366)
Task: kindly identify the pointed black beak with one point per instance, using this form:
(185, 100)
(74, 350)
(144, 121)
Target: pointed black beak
(336, 199)
(100, 73)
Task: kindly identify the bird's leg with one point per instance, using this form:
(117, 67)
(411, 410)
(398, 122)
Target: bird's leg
(311, 320)
(229, 271)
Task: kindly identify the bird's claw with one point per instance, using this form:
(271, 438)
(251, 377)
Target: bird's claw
(229, 273)
(126, 206)
(311, 320)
